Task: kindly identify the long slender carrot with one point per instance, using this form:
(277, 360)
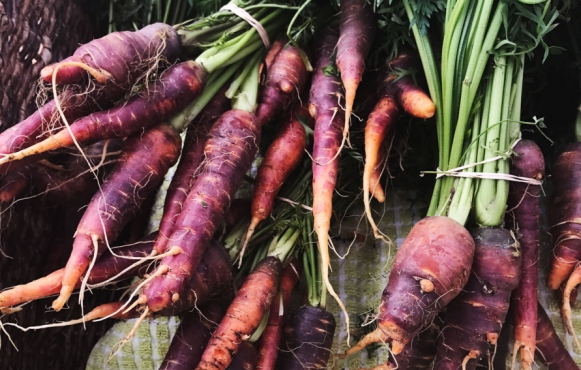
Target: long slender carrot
(325, 105)
(174, 90)
(285, 80)
(230, 150)
(145, 161)
(190, 160)
(281, 158)
(358, 29)
(272, 335)
(523, 204)
(244, 314)
(379, 123)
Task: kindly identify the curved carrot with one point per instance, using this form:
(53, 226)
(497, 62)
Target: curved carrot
(190, 160)
(281, 158)
(550, 347)
(358, 28)
(176, 88)
(140, 170)
(230, 149)
(378, 125)
(244, 314)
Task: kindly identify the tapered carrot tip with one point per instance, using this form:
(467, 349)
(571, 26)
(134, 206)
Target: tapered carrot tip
(376, 336)
(46, 72)
(560, 270)
(63, 297)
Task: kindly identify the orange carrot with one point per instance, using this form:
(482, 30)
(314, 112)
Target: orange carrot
(281, 158)
(243, 316)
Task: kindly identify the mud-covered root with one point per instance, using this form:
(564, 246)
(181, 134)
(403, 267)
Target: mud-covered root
(474, 319)
(566, 313)
(243, 315)
(245, 359)
(550, 347)
(564, 215)
(437, 249)
(188, 344)
(307, 340)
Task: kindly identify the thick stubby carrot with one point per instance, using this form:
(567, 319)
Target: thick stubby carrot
(190, 160)
(564, 213)
(430, 268)
(551, 350)
(245, 359)
(281, 158)
(325, 102)
(271, 337)
(177, 87)
(244, 314)
(141, 168)
(308, 339)
(358, 29)
(473, 320)
(121, 57)
(230, 149)
(524, 208)
(285, 79)
(106, 267)
(411, 97)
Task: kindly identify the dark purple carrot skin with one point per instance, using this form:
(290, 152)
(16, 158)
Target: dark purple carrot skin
(307, 340)
(123, 56)
(473, 321)
(188, 344)
(243, 315)
(191, 158)
(285, 79)
(419, 353)
(141, 168)
(358, 29)
(177, 87)
(550, 348)
(245, 359)
(270, 339)
(563, 215)
(524, 211)
(210, 280)
(229, 152)
(239, 209)
(430, 268)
